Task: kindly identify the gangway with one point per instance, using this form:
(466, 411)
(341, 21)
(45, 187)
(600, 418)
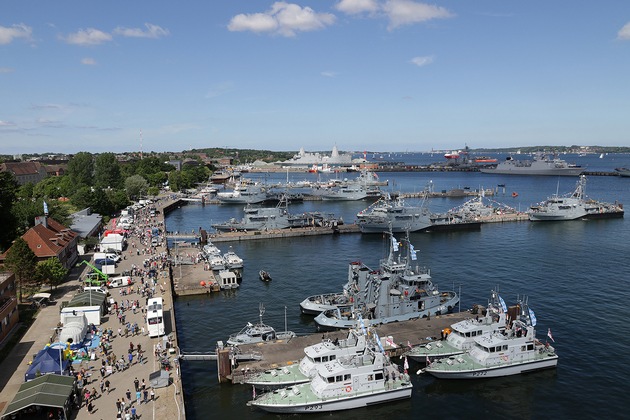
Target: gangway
(226, 357)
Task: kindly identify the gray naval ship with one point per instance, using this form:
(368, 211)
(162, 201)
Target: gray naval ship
(541, 164)
(397, 291)
(574, 206)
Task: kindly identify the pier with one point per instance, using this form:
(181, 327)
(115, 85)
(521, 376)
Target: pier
(287, 352)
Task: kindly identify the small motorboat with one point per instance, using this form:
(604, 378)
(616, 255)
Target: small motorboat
(264, 276)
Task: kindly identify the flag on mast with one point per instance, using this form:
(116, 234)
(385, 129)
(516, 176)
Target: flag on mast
(549, 335)
(394, 244)
(406, 365)
(413, 252)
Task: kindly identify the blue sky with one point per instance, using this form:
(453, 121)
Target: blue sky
(388, 75)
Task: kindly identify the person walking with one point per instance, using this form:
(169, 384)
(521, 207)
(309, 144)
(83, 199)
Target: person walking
(136, 384)
(107, 386)
(138, 397)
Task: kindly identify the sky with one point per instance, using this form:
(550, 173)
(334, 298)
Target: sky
(380, 75)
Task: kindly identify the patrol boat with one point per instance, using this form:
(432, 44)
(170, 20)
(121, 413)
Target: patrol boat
(511, 352)
(575, 206)
(364, 380)
(258, 333)
(393, 214)
(328, 350)
(396, 292)
(461, 335)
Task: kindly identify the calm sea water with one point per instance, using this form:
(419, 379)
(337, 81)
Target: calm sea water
(574, 273)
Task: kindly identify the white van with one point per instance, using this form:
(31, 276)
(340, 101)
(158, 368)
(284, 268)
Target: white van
(99, 289)
(119, 281)
(107, 255)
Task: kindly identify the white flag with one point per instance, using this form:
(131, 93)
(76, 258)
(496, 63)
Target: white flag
(549, 335)
(413, 252)
(394, 244)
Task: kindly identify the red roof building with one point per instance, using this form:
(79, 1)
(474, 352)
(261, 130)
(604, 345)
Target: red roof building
(25, 172)
(49, 238)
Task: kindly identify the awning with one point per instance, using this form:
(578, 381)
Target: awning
(46, 391)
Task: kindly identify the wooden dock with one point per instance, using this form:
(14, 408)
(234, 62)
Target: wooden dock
(286, 352)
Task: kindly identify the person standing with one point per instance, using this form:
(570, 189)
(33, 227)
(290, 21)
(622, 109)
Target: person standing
(90, 407)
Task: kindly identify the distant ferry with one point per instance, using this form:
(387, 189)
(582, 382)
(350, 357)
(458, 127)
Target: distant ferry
(541, 165)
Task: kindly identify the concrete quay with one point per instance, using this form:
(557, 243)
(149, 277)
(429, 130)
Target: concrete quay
(168, 402)
(286, 352)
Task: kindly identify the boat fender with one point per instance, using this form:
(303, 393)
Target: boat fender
(348, 388)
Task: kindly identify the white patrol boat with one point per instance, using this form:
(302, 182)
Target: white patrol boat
(258, 333)
(326, 351)
(364, 380)
(498, 354)
(461, 335)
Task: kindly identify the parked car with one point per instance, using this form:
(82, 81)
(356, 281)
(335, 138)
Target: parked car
(99, 289)
(41, 300)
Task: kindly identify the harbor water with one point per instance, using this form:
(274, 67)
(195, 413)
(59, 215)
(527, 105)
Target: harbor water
(574, 274)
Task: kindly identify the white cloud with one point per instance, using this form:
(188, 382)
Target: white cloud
(624, 33)
(152, 31)
(407, 12)
(329, 74)
(354, 7)
(88, 61)
(256, 22)
(6, 70)
(283, 18)
(422, 61)
(8, 34)
(88, 36)
(6, 124)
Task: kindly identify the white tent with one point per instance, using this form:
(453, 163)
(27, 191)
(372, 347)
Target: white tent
(74, 327)
(113, 241)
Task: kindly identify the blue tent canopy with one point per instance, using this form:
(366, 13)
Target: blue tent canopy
(49, 360)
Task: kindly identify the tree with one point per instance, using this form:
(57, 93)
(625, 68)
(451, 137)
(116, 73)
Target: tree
(54, 187)
(21, 260)
(83, 197)
(107, 171)
(118, 198)
(81, 169)
(51, 272)
(8, 193)
(135, 186)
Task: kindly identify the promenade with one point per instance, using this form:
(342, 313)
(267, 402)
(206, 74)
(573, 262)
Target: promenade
(168, 401)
